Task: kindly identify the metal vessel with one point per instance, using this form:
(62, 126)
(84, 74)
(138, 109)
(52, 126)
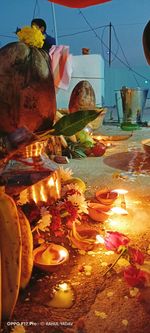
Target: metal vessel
(130, 104)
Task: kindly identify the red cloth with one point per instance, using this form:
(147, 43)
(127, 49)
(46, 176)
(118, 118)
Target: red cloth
(78, 3)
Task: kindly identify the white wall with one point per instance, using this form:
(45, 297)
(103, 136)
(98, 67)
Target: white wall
(85, 67)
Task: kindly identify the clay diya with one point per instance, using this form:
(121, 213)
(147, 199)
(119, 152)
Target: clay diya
(49, 257)
(106, 196)
(84, 238)
(98, 212)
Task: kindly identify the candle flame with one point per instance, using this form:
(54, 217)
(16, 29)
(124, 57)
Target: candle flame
(63, 286)
(120, 191)
(115, 224)
(62, 254)
(99, 239)
(119, 211)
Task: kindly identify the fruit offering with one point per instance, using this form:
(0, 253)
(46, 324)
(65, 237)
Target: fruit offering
(97, 150)
(85, 138)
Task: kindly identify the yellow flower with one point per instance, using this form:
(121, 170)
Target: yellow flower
(65, 174)
(78, 201)
(31, 36)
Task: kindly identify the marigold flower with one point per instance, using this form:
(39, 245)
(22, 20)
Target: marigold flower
(65, 174)
(31, 36)
(78, 201)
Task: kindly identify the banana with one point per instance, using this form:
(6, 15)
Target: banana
(10, 247)
(27, 250)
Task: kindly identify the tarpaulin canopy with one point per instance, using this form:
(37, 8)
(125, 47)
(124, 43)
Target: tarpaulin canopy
(78, 3)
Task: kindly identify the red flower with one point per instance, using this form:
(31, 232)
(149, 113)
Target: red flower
(56, 219)
(69, 222)
(135, 256)
(135, 277)
(72, 213)
(59, 233)
(114, 240)
(71, 209)
(85, 217)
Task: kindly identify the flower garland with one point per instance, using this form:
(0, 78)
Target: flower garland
(31, 36)
(58, 218)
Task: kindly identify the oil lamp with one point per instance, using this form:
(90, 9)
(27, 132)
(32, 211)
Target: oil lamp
(106, 196)
(49, 256)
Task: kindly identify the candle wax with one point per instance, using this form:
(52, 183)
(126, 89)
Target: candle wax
(62, 298)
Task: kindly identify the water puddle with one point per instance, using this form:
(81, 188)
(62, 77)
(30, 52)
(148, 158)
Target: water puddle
(132, 162)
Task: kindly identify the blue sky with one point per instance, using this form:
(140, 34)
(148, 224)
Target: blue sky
(128, 18)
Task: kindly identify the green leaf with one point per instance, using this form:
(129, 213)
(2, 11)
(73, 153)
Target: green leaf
(74, 122)
(79, 153)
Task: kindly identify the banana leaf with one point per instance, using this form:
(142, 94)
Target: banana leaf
(74, 122)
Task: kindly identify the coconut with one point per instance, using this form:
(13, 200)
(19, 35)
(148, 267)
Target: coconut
(27, 93)
(82, 97)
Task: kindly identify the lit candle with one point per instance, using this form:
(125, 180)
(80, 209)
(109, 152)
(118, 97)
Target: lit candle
(119, 210)
(62, 255)
(121, 193)
(63, 296)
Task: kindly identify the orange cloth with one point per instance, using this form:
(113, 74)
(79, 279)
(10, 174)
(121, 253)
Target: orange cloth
(78, 3)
